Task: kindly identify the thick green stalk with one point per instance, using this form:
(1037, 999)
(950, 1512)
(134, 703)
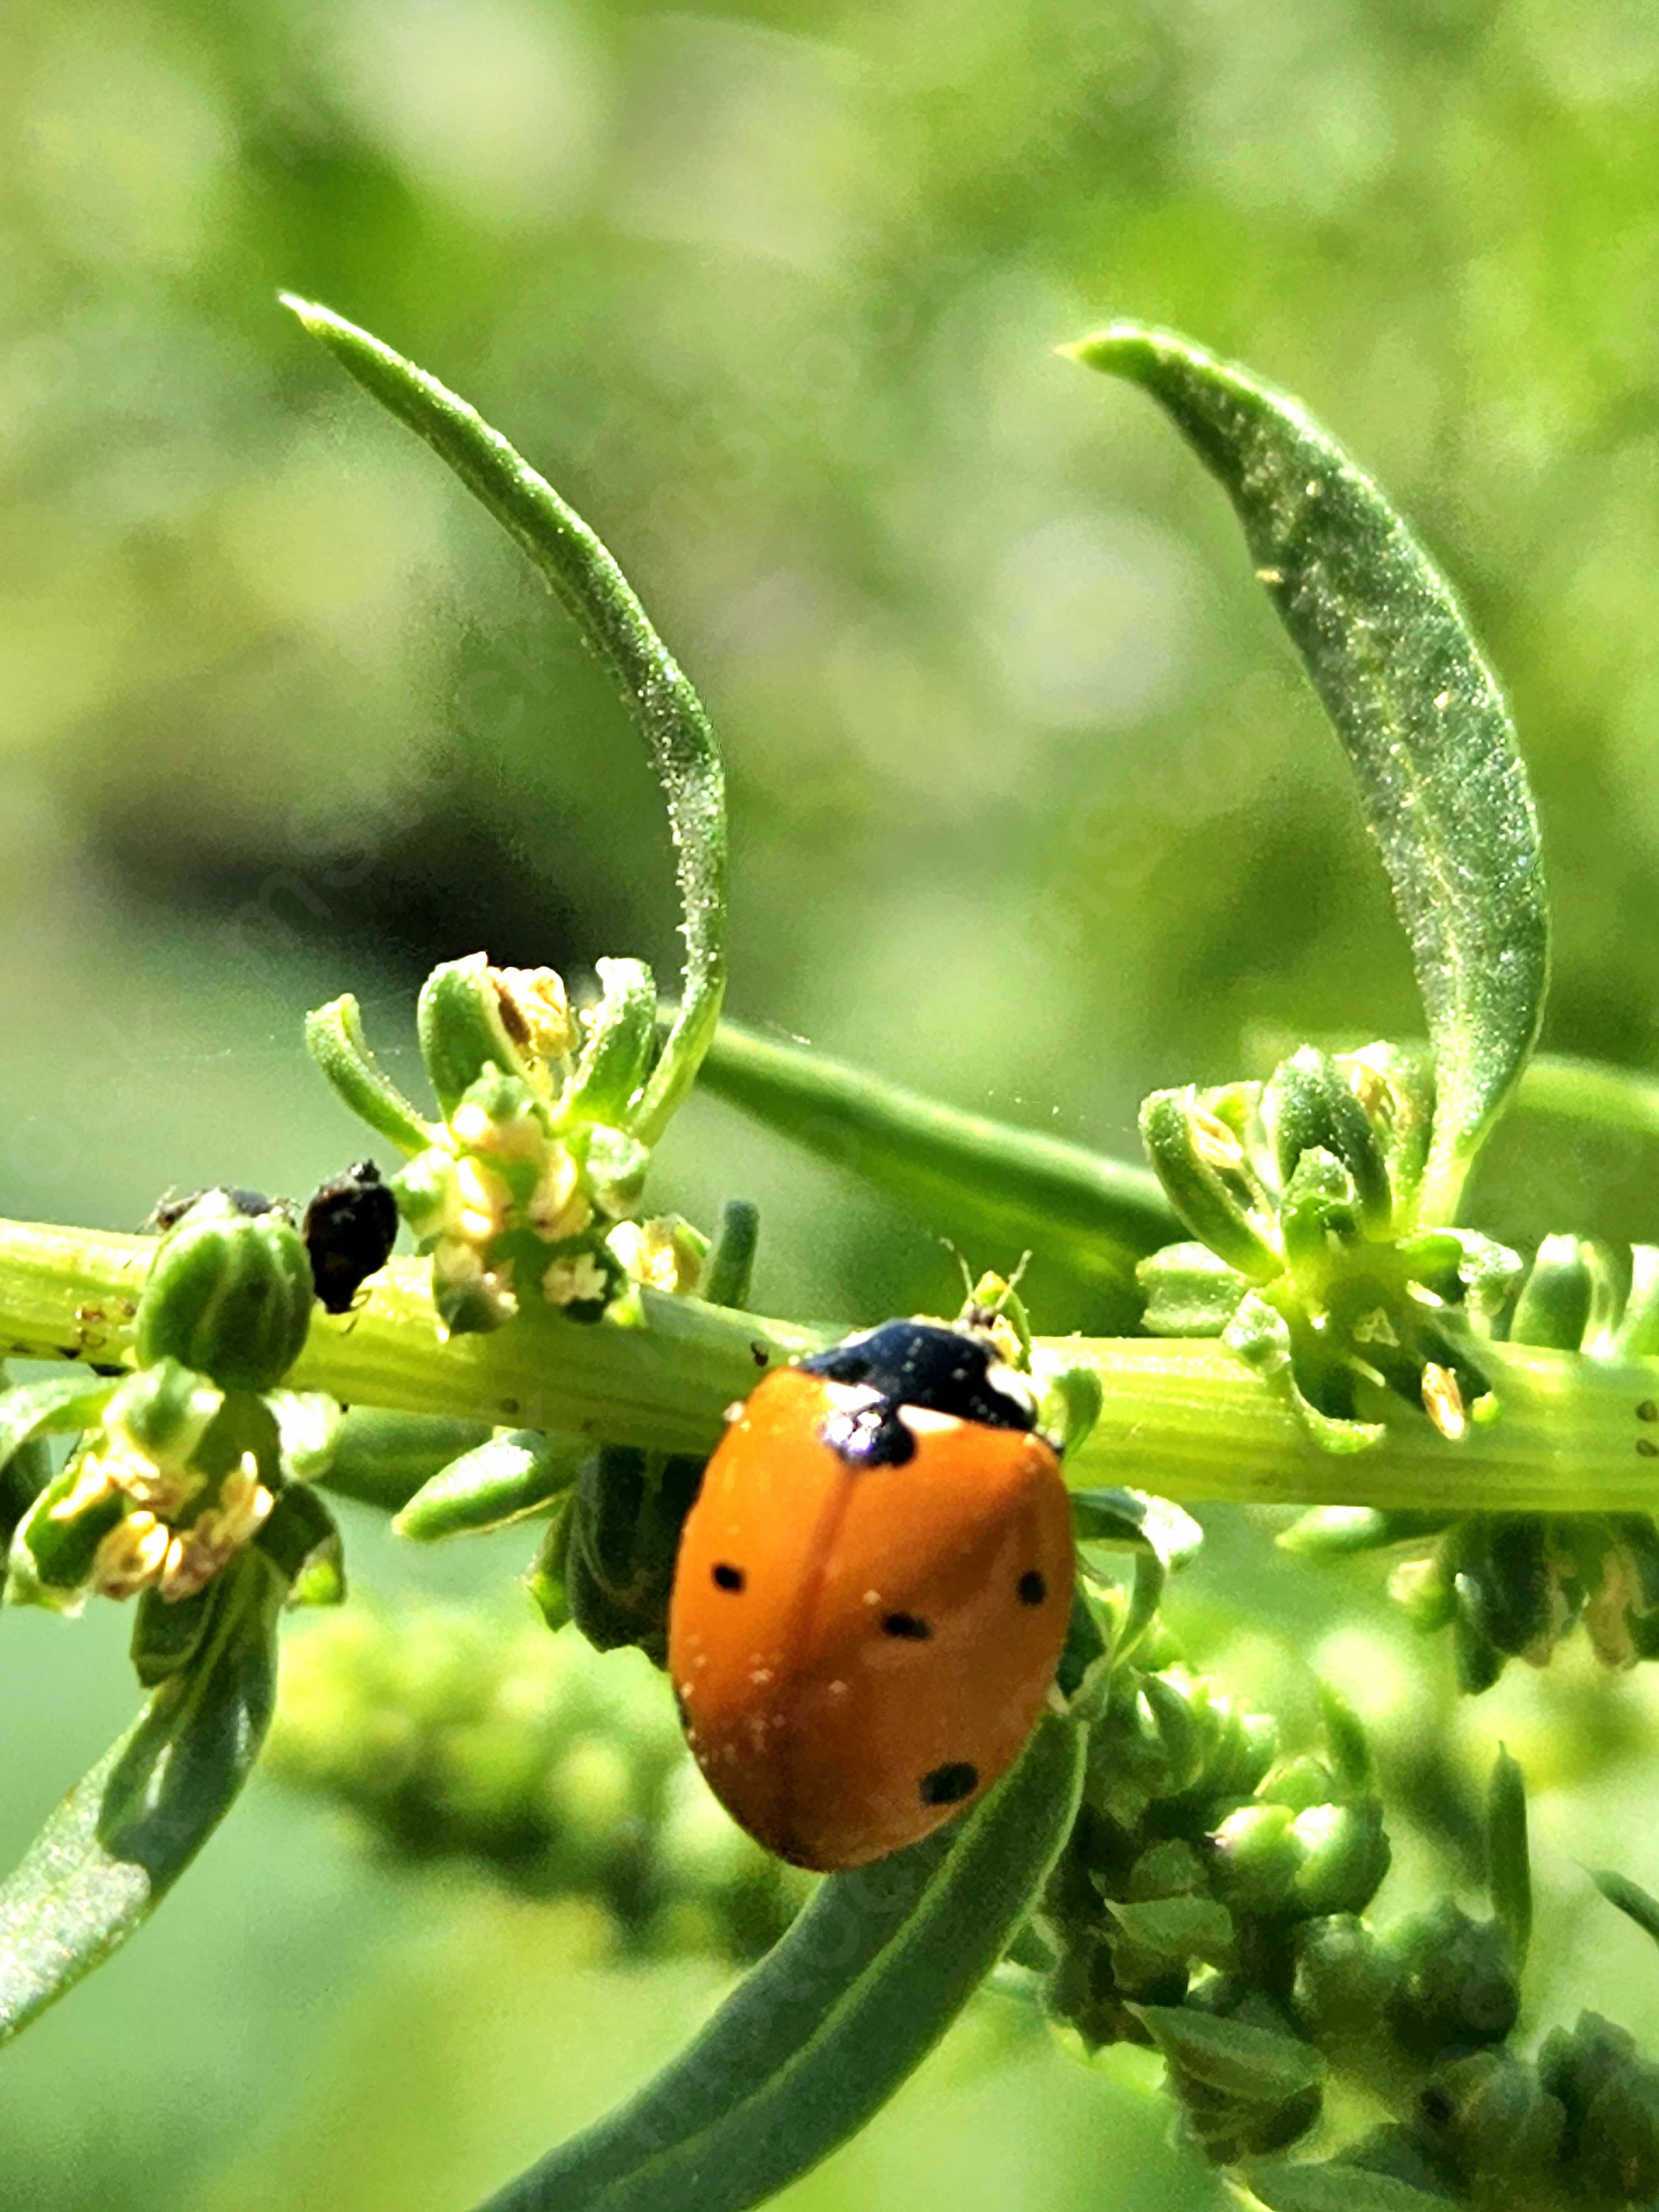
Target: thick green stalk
(664, 1385)
(1181, 1416)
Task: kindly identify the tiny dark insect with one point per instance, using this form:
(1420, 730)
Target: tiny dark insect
(168, 1212)
(351, 1226)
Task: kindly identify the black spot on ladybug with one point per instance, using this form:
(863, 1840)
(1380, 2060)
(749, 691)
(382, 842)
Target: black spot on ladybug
(918, 1362)
(350, 1229)
(869, 1435)
(728, 1578)
(908, 1627)
(1032, 1587)
(949, 1784)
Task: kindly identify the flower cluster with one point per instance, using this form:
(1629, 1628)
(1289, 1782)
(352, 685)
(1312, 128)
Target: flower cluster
(451, 1732)
(523, 1191)
(1313, 1266)
(1511, 1585)
(185, 1463)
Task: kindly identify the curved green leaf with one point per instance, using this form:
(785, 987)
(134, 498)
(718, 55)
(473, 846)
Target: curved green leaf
(28, 1411)
(1415, 705)
(521, 1471)
(1325, 2187)
(592, 587)
(1508, 1863)
(125, 1833)
(335, 1040)
(833, 2019)
(1631, 1899)
(979, 1177)
(382, 1458)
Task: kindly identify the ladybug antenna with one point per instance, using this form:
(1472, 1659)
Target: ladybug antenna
(956, 1253)
(1016, 1278)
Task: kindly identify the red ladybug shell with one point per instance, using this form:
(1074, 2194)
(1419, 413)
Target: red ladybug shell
(871, 1596)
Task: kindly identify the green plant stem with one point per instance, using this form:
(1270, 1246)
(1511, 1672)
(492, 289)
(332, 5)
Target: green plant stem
(1181, 1416)
(1185, 1419)
(1590, 1090)
(662, 1385)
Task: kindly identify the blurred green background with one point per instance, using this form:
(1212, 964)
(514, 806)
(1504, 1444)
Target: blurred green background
(1029, 807)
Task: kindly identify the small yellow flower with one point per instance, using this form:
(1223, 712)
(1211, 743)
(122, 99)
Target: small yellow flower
(573, 1282)
(658, 1254)
(535, 1011)
(557, 1208)
(196, 1554)
(132, 1555)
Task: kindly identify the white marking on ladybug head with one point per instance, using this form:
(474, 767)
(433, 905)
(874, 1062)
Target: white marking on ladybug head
(925, 1421)
(850, 1397)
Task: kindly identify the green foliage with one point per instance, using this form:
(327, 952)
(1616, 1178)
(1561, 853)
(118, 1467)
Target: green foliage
(1155, 1869)
(455, 1734)
(124, 1835)
(840, 2012)
(581, 574)
(1417, 709)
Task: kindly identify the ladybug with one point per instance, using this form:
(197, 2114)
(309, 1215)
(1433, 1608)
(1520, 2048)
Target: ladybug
(872, 1591)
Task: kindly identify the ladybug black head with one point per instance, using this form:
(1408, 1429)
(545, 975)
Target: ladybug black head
(926, 1364)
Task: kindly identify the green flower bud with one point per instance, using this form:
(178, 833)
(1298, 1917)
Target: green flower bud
(471, 1016)
(1310, 1106)
(1556, 1300)
(1189, 1292)
(1343, 1982)
(1609, 2096)
(1210, 1181)
(1275, 1861)
(1492, 2120)
(228, 1296)
(1456, 1988)
(619, 1047)
(1395, 1089)
(55, 1549)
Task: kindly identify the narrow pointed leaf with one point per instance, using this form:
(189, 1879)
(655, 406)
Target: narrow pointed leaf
(382, 1458)
(975, 1176)
(1233, 2055)
(519, 1472)
(122, 1837)
(1417, 709)
(53, 1406)
(588, 583)
(1509, 1864)
(335, 1040)
(1632, 1901)
(1330, 2188)
(833, 2019)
